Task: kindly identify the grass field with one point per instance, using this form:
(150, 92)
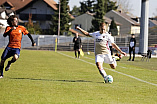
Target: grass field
(48, 77)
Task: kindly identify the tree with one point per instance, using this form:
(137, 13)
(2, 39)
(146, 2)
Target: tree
(65, 19)
(91, 6)
(113, 28)
(75, 11)
(87, 6)
(33, 28)
(54, 24)
(155, 14)
(124, 5)
(98, 17)
(110, 5)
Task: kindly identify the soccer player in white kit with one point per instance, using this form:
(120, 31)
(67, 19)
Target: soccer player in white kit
(102, 51)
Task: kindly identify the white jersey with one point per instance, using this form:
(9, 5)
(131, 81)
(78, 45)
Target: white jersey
(132, 44)
(101, 42)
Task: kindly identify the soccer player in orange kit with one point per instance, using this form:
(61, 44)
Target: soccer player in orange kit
(15, 32)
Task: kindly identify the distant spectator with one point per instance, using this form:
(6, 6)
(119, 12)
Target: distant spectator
(77, 45)
(132, 44)
(149, 52)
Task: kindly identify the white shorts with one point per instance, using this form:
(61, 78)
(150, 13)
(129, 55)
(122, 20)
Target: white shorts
(106, 58)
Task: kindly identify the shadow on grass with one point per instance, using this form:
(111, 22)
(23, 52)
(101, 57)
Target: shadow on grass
(51, 80)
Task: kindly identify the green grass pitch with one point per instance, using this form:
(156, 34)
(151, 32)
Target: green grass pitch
(48, 77)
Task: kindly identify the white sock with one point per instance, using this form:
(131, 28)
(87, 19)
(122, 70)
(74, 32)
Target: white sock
(114, 61)
(102, 72)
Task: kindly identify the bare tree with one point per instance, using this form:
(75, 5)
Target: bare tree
(124, 5)
(155, 14)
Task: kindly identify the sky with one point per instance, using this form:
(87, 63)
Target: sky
(136, 6)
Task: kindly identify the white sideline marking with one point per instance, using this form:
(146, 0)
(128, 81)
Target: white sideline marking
(88, 58)
(112, 70)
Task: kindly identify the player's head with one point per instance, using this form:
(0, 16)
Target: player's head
(110, 33)
(102, 26)
(12, 20)
(133, 35)
(76, 34)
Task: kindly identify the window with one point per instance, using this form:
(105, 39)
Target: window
(33, 10)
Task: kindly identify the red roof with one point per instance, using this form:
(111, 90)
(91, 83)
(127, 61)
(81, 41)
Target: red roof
(52, 3)
(19, 4)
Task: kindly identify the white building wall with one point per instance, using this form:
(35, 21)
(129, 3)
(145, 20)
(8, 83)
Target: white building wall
(4, 22)
(3, 15)
(135, 30)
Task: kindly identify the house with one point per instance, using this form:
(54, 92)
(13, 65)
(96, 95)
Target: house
(85, 21)
(129, 26)
(3, 24)
(152, 23)
(41, 10)
(4, 14)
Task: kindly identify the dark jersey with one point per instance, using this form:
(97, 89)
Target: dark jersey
(77, 43)
(132, 42)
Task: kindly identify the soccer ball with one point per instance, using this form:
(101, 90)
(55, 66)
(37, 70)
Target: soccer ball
(108, 79)
(88, 53)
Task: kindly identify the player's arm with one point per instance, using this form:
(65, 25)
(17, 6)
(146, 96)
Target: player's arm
(30, 37)
(118, 49)
(8, 32)
(83, 31)
(134, 43)
(74, 40)
(80, 42)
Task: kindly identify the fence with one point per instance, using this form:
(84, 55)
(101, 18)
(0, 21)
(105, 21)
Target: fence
(47, 42)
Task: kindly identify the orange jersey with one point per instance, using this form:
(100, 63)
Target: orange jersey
(15, 36)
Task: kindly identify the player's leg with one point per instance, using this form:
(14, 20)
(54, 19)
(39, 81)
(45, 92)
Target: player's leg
(101, 69)
(75, 54)
(15, 57)
(15, 52)
(1, 68)
(99, 63)
(75, 51)
(113, 66)
(129, 53)
(133, 54)
(110, 60)
(4, 56)
(78, 53)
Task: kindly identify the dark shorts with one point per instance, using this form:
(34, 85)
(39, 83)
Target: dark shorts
(77, 47)
(8, 52)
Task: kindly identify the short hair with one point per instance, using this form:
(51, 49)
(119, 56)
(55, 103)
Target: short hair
(11, 18)
(102, 24)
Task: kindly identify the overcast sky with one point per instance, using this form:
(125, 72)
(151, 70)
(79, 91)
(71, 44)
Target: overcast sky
(135, 3)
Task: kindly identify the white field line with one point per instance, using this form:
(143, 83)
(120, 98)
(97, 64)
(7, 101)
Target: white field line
(112, 70)
(89, 58)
